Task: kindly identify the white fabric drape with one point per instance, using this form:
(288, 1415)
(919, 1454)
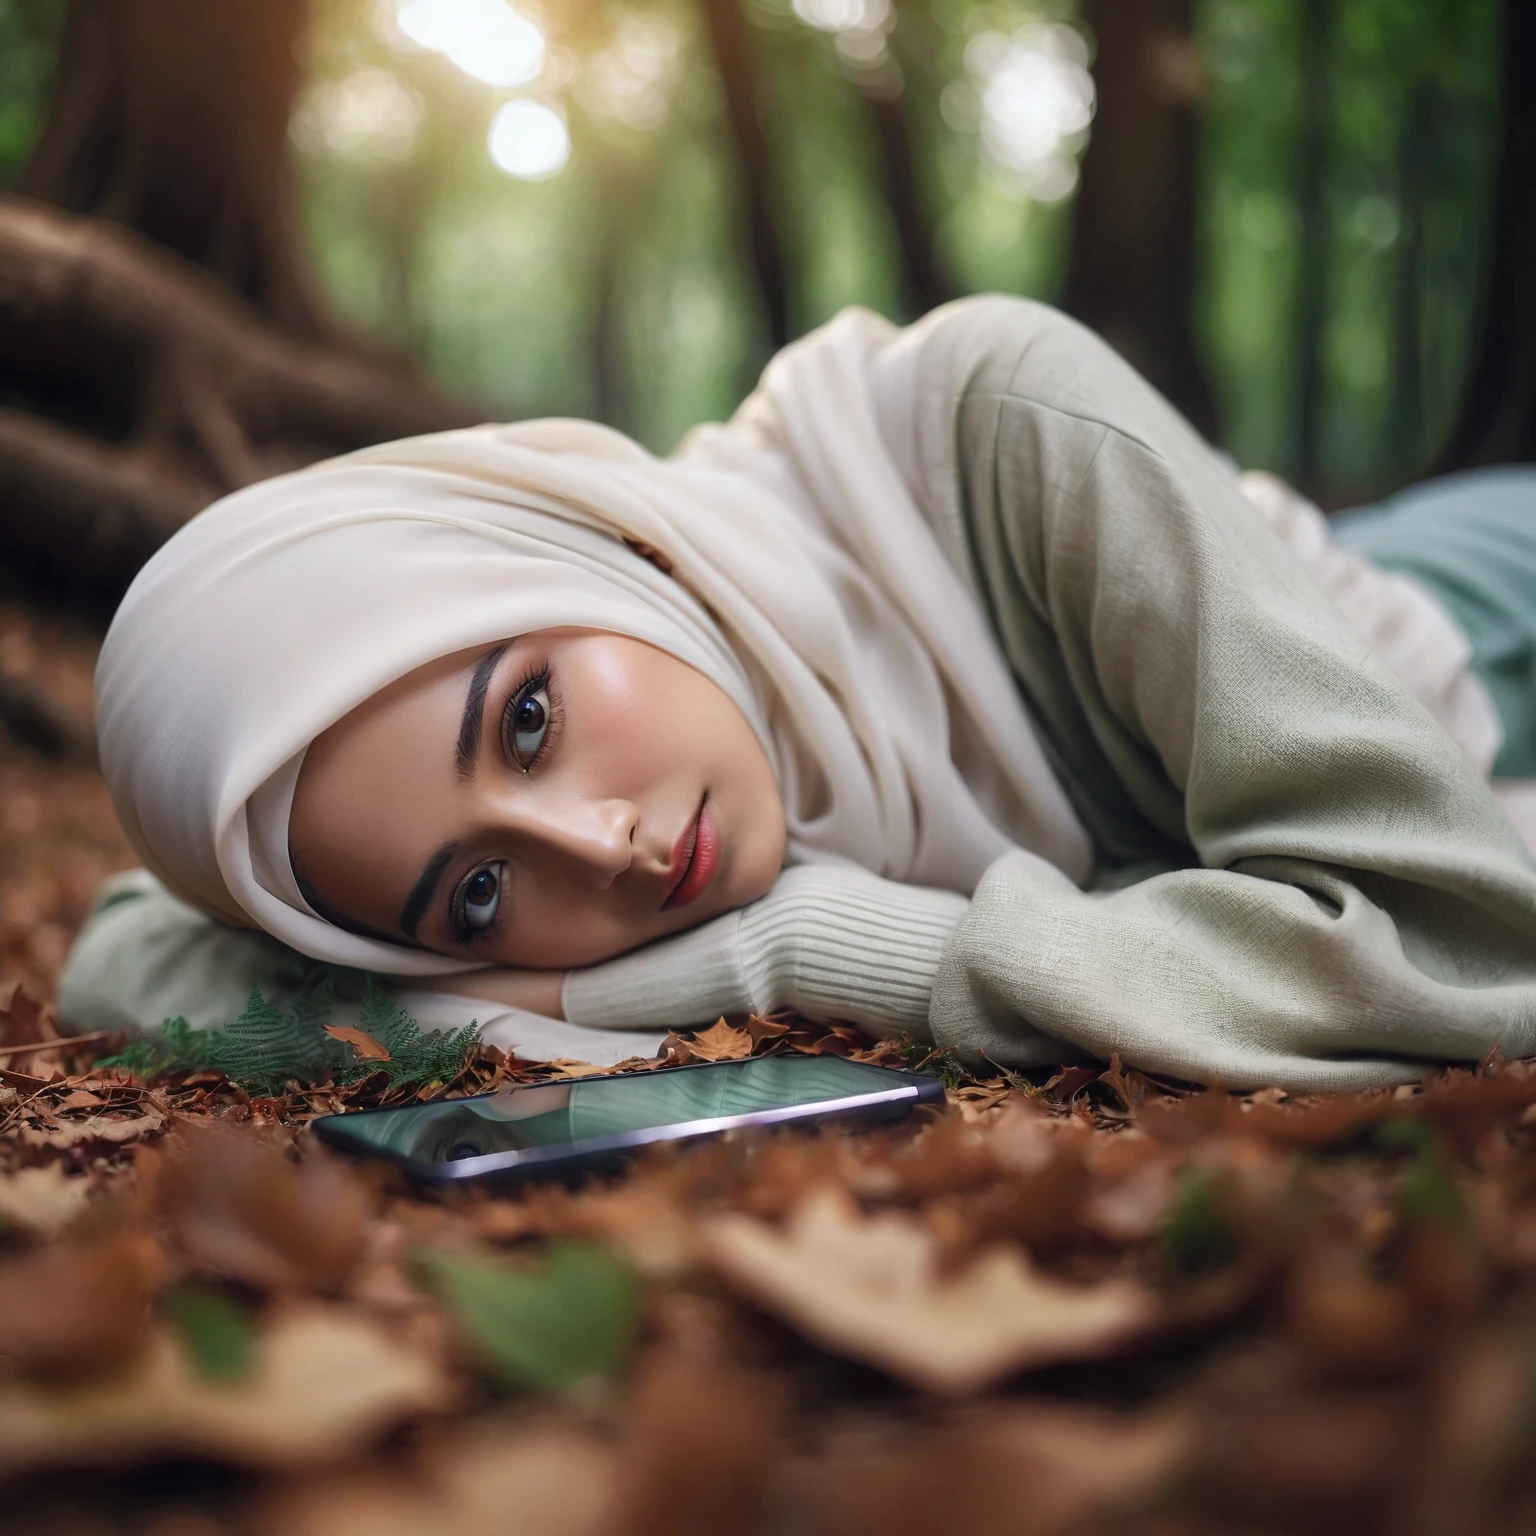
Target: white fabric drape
(806, 583)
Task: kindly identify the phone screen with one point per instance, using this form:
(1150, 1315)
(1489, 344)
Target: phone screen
(557, 1114)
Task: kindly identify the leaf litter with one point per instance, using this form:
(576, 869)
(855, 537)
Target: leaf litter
(1085, 1299)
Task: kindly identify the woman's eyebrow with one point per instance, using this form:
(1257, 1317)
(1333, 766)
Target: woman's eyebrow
(425, 889)
(467, 753)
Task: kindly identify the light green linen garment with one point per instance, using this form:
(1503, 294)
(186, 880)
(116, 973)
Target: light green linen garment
(1300, 878)
(1315, 887)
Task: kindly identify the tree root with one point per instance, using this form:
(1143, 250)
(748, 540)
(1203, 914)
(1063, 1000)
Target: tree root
(177, 393)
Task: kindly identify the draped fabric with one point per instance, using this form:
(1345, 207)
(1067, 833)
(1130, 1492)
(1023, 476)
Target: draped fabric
(804, 580)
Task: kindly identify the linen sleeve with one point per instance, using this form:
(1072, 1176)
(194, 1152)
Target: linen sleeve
(143, 956)
(1345, 902)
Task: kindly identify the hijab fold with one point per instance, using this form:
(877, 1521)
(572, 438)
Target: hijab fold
(805, 581)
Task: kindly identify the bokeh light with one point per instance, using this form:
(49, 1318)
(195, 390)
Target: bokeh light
(1036, 101)
(367, 114)
(529, 140)
(843, 15)
(486, 39)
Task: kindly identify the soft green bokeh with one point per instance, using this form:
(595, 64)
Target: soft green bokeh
(622, 288)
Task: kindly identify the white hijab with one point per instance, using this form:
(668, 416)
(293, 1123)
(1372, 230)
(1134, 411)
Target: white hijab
(806, 583)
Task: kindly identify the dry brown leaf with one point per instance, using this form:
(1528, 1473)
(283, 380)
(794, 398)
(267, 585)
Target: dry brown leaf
(702, 1450)
(76, 1133)
(24, 1019)
(42, 1201)
(367, 1048)
(996, 1469)
(326, 1383)
(489, 1479)
(720, 1042)
(567, 1066)
(871, 1287)
(241, 1208)
(77, 1308)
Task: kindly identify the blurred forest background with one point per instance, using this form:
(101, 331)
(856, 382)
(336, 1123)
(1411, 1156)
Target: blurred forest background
(238, 236)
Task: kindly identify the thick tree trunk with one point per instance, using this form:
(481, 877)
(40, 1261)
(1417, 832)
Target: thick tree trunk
(1405, 424)
(881, 83)
(1497, 422)
(731, 43)
(161, 340)
(1311, 214)
(171, 117)
(1131, 273)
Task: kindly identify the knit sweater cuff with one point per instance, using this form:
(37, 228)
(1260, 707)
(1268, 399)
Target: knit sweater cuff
(844, 944)
(834, 942)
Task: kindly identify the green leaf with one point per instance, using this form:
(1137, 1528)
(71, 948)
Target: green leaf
(266, 1047)
(215, 1330)
(1195, 1237)
(547, 1327)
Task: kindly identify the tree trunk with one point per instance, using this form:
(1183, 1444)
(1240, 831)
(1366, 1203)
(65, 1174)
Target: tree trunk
(1131, 273)
(1497, 422)
(171, 117)
(1405, 424)
(161, 340)
(731, 42)
(880, 82)
(1312, 261)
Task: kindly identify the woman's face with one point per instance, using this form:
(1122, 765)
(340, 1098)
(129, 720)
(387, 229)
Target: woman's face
(550, 802)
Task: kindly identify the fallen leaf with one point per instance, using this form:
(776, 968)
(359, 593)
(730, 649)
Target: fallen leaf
(994, 1469)
(555, 1477)
(75, 1133)
(702, 1451)
(550, 1326)
(367, 1048)
(42, 1201)
(871, 1287)
(720, 1042)
(24, 1019)
(325, 1384)
(241, 1209)
(77, 1308)
(566, 1066)
(217, 1332)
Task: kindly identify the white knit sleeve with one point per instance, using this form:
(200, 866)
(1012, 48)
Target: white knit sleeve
(833, 941)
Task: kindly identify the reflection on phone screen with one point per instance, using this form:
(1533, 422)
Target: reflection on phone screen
(557, 1113)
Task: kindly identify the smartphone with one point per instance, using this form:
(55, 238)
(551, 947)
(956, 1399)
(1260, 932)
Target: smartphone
(569, 1129)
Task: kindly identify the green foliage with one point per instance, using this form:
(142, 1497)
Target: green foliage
(1196, 1238)
(1429, 1194)
(547, 1328)
(416, 1058)
(215, 1330)
(267, 1047)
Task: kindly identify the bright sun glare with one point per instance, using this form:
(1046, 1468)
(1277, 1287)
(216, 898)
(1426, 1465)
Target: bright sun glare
(485, 38)
(529, 140)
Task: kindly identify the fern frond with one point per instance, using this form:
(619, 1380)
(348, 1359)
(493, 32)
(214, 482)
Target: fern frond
(267, 1047)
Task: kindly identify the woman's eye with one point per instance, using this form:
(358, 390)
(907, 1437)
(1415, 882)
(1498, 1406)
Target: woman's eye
(482, 895)
(527, 725)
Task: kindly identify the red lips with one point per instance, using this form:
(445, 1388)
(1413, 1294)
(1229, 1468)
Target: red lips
(695, 858)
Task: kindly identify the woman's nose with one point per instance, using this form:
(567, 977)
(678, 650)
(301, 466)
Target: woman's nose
(597, 835)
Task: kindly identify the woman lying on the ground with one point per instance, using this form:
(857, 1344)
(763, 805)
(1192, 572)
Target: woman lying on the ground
(954, 687)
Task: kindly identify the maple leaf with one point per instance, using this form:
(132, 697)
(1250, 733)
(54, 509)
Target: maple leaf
(871, 1287)
(720, 1042)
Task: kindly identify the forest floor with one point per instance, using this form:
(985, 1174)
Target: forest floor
(1082, 1301)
